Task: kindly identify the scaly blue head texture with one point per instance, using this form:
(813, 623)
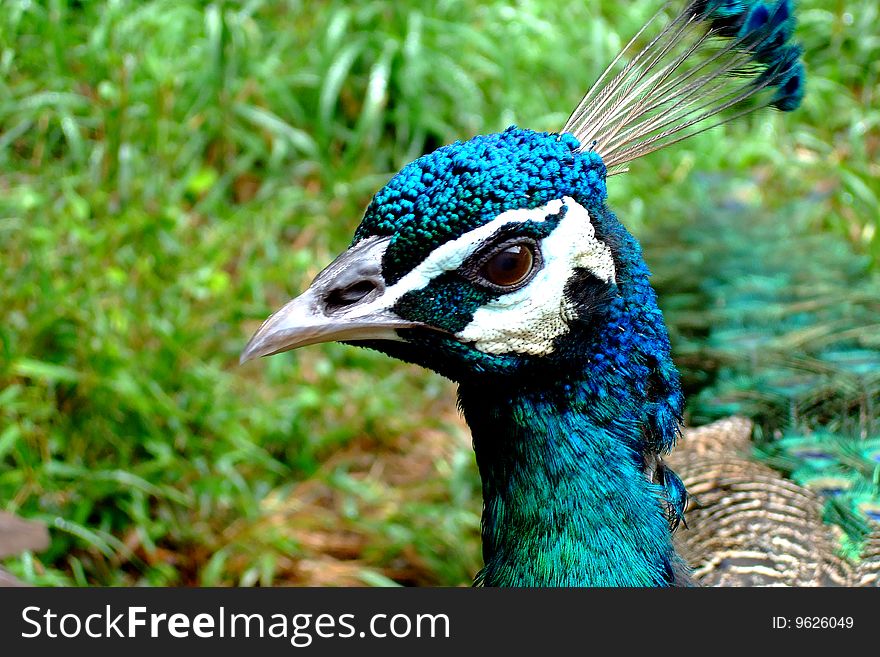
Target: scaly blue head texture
(456, 188)
(563, 435)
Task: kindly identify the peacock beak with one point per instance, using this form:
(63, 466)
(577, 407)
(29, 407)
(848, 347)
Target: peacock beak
(344, 302)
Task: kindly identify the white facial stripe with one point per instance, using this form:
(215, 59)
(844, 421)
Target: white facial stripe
(529, 319)
(449, 256)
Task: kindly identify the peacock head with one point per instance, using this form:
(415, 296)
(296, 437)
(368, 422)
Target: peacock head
(497, 258)
(491, 257)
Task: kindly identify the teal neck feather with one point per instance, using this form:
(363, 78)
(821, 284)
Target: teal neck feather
(566, 502)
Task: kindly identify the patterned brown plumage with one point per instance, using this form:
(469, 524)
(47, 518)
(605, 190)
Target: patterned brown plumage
(746, 525)
(867, 572)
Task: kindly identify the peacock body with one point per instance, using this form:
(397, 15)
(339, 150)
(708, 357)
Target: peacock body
(790, 342)
(497, 263)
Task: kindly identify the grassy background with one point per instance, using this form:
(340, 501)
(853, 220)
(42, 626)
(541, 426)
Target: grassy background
(170, 172)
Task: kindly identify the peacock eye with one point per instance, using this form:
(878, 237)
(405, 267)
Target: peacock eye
(509, 266)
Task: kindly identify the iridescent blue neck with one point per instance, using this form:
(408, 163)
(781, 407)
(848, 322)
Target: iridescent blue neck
(566, 501)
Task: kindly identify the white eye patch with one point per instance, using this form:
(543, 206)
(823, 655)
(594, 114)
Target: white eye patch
(528, 320)
(450, 255)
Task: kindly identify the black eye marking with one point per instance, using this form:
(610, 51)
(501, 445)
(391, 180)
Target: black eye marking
(505, 266)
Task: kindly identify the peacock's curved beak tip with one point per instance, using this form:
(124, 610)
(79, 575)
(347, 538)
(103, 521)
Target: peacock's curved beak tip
(301, 322)
(346, 301)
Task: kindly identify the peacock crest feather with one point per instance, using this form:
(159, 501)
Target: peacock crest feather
(717, 58)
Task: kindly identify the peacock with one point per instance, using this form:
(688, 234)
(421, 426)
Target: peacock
(497, 263)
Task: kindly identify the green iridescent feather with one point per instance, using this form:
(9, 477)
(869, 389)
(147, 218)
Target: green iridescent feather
(774, 321)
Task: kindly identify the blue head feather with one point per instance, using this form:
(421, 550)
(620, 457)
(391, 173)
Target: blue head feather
(444, 194)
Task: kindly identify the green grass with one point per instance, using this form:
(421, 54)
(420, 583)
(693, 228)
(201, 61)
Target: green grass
(170, 172)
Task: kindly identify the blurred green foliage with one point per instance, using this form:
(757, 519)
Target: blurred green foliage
(170, 172)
